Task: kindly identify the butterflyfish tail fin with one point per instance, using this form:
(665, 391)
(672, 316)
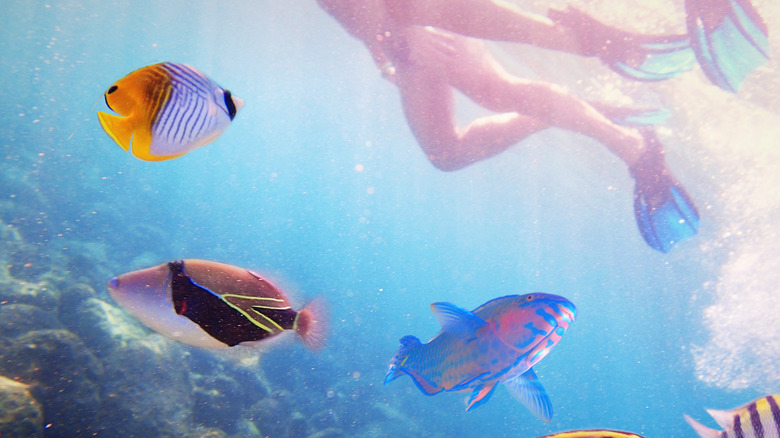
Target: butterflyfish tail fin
(118, 128)
(311, 325)
(702, 430)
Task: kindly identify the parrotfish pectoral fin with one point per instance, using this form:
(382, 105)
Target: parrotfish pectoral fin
(118, 128)
(528, 390)
(456, 320)
(702, 430)
(480, 395)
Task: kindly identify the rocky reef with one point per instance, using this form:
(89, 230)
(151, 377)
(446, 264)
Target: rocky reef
(72, 363)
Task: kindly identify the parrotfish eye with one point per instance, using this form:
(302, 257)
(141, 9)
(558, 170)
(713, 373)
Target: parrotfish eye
(112, 89)
(529, 297)
(231, 107)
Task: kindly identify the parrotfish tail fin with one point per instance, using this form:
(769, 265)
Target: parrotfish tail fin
(311, 324)
(528, 390)
(730, 39)
(664, 212)
(401, 364)
(636, 56)
(401, 356)
(480, 395)
(118, 128)
(702, 430)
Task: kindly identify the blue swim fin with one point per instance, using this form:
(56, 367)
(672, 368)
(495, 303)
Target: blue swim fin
(664, 212)
(636, 56)
(729, 37)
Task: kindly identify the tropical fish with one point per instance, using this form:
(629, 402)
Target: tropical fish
(166, 110)
(757, 419)
(214, 305)
(498, 342)
(593, 433)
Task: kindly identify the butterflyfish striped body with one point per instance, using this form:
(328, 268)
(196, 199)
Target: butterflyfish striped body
(214, 305)
(167, 110)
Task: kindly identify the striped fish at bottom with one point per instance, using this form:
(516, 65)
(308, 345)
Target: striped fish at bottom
(758, 419)
(166, 110)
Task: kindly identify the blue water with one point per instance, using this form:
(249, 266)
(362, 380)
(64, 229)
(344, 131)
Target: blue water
(319, 184)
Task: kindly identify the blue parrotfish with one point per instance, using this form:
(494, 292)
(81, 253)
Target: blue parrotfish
(758, 419)
(214, 305)
(167, 110)
(498, 342)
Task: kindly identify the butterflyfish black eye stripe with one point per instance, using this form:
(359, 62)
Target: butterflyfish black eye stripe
(230, 105)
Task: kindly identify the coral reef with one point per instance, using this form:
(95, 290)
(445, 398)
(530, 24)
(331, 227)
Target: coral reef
(20, 412)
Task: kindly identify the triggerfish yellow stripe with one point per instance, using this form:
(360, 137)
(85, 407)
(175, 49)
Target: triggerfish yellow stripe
(757, 419)
(593, 433)
(166, 110)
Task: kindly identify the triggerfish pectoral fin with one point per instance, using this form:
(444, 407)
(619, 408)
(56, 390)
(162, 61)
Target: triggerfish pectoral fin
(480, 395)
(118, 128)
(528, 390)
(456, 320)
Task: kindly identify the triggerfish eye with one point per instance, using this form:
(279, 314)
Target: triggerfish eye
(167, 110)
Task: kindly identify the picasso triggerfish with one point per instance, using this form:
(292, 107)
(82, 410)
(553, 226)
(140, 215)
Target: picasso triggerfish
(214, 305)
(757, 419)
(498, 342)
(166, 110)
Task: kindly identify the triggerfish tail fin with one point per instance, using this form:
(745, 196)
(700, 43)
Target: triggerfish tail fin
(480, 395)
(730, 39)
(702, 430)
(636, 56)
(118, 128)
(311, 325)
(528, 390)
(664, 212)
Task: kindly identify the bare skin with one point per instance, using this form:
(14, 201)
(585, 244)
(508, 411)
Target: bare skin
(428, 63)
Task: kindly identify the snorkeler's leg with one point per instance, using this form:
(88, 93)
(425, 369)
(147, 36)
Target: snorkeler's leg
(482, 79)
(486, 19)
(428, 103)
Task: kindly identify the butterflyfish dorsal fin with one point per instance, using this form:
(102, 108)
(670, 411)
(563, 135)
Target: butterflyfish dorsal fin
(118, 128)
(456, 320)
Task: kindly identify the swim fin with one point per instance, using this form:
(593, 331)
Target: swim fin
(635, 56)
(729, 37)
(664, 212)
